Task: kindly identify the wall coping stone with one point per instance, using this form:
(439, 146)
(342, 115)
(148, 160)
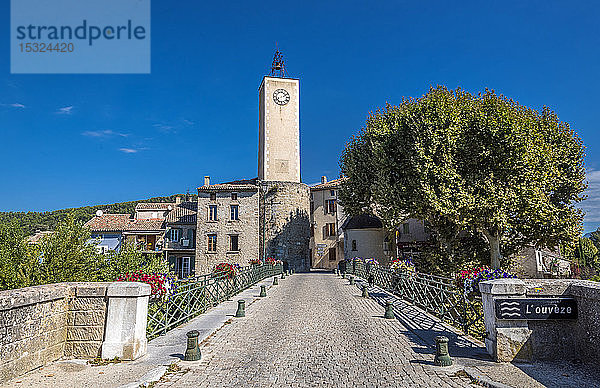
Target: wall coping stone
(503, 287)
(10, 299)
(128, 289)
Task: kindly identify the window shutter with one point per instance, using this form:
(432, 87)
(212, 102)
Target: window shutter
(324, 231)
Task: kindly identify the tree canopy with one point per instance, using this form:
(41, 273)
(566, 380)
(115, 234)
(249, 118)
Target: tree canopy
(481, 164)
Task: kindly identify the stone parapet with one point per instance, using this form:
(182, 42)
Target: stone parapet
(544, 339)
(44, 323)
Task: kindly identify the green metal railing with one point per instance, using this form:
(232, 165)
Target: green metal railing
(194, 296)
(437, 295)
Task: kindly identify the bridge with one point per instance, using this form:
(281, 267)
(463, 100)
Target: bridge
(313, 329)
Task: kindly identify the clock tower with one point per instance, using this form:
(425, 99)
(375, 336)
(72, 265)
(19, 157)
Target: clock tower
(279, 126)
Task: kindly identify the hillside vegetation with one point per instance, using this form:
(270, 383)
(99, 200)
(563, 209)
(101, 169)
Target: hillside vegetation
(31, 222)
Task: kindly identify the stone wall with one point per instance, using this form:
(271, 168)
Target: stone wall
(530, 340)
(285, 223)
(42, 324)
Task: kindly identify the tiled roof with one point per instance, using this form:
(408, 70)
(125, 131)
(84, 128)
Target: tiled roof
(38, 236)
(154, 206)
(184, 213)
(364, 221)
(122, 223)
(328, 185)
(108, 222)
(239, 185)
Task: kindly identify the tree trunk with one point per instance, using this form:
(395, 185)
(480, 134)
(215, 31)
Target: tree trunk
(494, 241)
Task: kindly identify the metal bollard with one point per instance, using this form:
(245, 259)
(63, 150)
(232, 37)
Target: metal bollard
(351, 280)
(275, 280)
(192, 353)
(389, 313)
(365, 292)
(442, 358)
(263, 291)
(241, 311)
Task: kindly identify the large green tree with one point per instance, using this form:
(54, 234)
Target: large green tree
(483, 163)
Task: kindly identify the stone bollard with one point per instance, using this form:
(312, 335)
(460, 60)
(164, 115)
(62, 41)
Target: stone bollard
(192, 353)
(365, 292)
(351, 280)
(275, 281)
(263, 291)
(241, 310)
(282, 275)
(389, 312)
(335, 271)
(343, 275)
(442, 358)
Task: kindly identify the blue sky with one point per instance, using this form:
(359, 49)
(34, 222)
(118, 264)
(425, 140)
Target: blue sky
(72, 140)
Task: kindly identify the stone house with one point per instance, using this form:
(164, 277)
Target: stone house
(364, 236)
(326, 220)
(180, 237)
(227, 223)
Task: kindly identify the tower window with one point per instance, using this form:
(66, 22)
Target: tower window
(213, 196)
(234, 196)
(406, 228)
(212, 212)
(332, 193)
(353, 245)
(212, 243)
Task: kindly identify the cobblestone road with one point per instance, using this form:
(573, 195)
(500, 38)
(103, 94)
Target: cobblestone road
(314, 330)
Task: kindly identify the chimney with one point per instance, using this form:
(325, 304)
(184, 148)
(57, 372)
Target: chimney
(206, 180)
(178, 200)
(323, 179)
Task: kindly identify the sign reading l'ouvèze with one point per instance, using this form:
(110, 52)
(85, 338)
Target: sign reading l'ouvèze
(536, 308)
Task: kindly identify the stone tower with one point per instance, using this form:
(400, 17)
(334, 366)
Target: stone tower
(279, 130)
(284, 199)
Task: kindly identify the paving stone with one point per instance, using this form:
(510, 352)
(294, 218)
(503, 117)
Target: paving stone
(314, 330)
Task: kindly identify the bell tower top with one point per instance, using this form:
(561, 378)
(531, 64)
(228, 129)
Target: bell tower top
(278, 65)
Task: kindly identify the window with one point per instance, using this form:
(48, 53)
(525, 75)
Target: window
(213, 196)
(235, 212)
(332, 254)
(329, 230)
(212, 243)
(312, 207)
(332, 193)
(405, 228)
(353, 245)
(182, 266)
(312, 230)
(233, 242)
(174, 235)
(212, 212)
(312, 196)
(234, 196)
(330, 206)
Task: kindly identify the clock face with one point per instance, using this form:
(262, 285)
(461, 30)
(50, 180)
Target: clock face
(281, 96)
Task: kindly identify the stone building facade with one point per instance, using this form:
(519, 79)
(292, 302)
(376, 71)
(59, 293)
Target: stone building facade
(227, 230)
(326, 220)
